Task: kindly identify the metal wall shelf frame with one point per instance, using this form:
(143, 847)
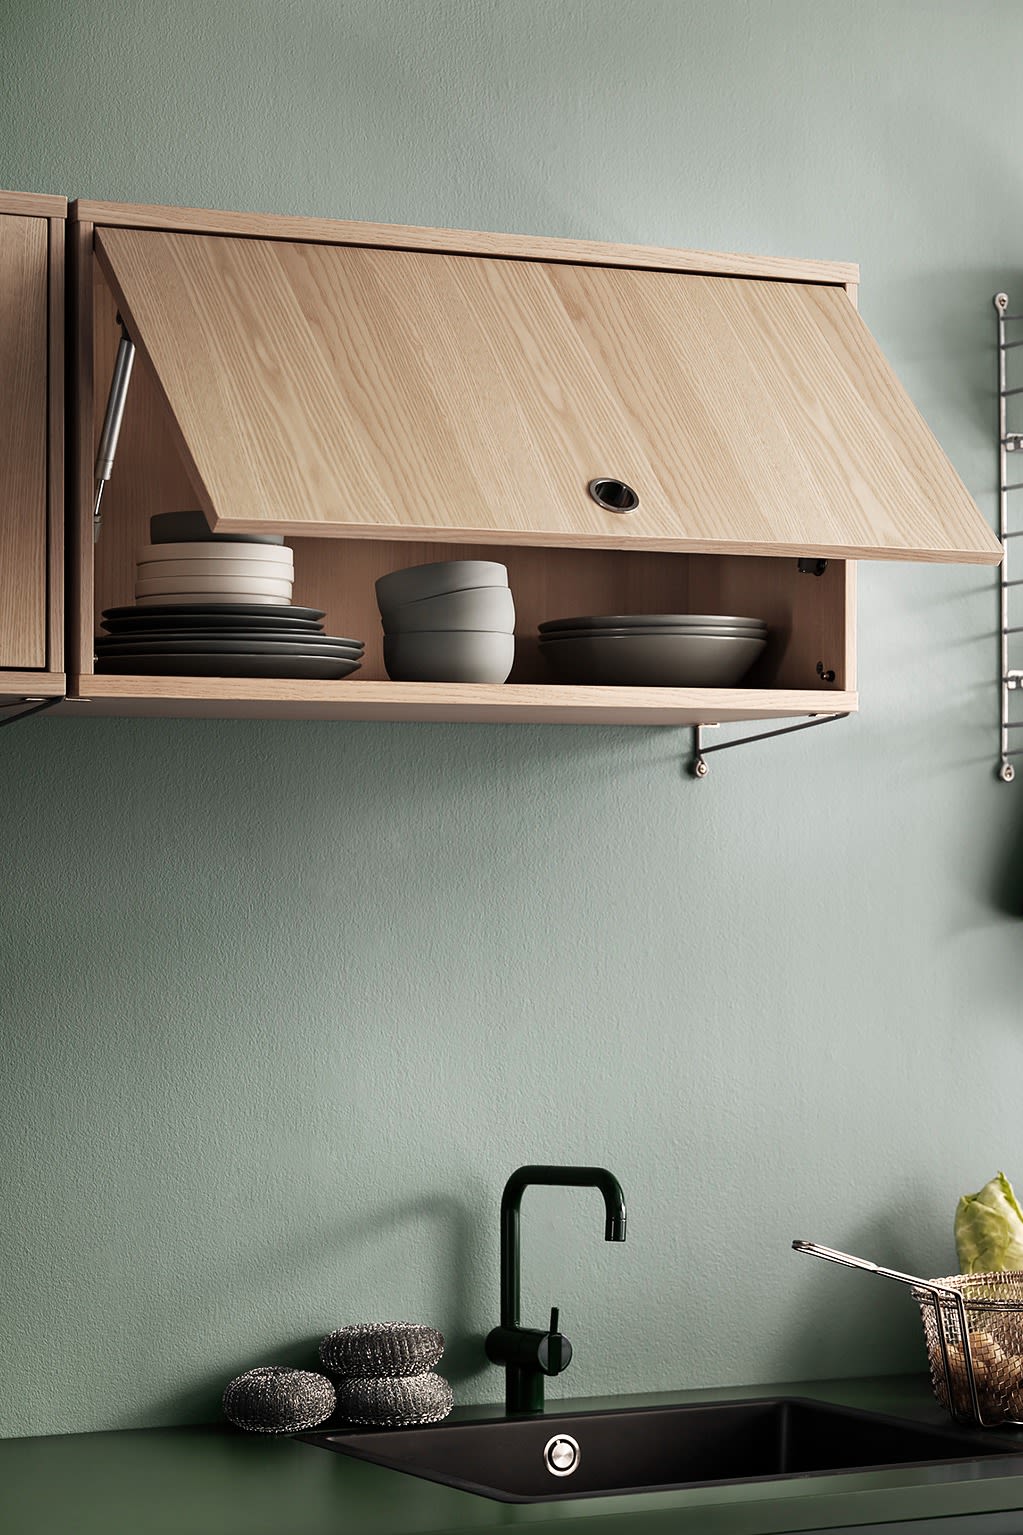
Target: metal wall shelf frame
(1009, 442)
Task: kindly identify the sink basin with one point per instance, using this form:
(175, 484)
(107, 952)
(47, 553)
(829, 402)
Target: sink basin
(651, 1449)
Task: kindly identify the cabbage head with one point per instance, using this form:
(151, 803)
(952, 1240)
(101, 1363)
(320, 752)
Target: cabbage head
(989, 1229)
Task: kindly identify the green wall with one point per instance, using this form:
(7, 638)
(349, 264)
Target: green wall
(283, 1004)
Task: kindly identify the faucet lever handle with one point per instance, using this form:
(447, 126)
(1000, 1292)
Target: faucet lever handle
(555, 1351)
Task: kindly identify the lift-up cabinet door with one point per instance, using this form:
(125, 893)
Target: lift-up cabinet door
(31, 336)
(343, 390)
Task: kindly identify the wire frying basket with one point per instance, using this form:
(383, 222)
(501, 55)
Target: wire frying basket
(973, 1327)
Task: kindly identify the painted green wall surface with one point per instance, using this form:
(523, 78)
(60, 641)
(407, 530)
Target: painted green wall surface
(281, 1005)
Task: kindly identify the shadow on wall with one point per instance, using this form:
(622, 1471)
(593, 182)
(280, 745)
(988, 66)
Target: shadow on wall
(835, 1299)
(1007, 874)
(464, 1355)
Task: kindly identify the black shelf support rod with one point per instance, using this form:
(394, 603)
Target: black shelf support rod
(697, 762)
(25, 707)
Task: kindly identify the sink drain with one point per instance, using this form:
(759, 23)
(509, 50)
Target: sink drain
(561, 1455)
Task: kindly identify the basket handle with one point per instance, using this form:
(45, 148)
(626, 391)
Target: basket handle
(832, 1256)
(955, 1296)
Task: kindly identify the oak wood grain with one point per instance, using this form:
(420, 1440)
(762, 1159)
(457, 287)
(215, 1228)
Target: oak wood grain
(24, 365)
(82, 449)
(33, 205)
(205, 697)
(368, 393)
(16, 686)
(273, 226)
(55, 490)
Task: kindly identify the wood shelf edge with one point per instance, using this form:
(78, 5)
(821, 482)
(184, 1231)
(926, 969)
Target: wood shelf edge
(990, 553)
(19, 685)
(41, 205)
(451, 703)
(275, 226)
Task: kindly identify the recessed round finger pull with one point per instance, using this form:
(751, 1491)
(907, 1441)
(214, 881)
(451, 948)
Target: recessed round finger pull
(613, 495)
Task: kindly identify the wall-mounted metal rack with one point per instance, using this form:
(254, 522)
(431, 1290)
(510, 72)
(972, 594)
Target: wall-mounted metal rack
(1008, 443)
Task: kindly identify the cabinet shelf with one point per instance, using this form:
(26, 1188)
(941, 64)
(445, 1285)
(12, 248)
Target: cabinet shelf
(15, 686)
(509, 703)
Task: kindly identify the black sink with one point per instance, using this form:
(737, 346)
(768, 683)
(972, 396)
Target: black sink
(650, 1449)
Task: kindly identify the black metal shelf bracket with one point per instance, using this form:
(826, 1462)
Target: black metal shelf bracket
(25, 707)
(698, 765)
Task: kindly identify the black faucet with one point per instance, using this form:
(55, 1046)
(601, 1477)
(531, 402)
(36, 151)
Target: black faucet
(528, 1354)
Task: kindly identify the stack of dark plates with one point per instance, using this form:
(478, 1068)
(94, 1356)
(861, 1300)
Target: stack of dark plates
(224, 639)
(681, 650)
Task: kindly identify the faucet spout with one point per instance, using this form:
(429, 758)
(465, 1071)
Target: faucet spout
(511, 1202)
(524, 1382)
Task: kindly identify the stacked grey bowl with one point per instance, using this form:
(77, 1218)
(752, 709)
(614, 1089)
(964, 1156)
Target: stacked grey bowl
(452, 621)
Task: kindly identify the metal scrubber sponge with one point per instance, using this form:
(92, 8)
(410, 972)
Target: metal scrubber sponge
(274, 1400)
(382, 1349)
(395, 1401)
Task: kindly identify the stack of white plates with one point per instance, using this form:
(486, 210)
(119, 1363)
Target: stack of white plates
(209, 571)
(212, 605)
(680, 650)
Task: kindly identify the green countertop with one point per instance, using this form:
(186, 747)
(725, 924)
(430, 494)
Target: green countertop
(210, 1481)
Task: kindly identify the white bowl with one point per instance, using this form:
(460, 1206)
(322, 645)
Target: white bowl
(479, 607)
(458, 655)
(274, 554)
(160, 570)
(417, 582)
(219, 584)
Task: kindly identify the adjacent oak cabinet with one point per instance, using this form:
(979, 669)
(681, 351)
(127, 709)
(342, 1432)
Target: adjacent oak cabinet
(32, 462)
(385, 396)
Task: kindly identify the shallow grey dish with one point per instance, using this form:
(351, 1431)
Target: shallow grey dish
(283, 637)
(459, 655)
(198, 628)
(185, 645)
(417, 582)
(668, 660)
(166, 664)
(219, 612)
(626, 634)
(649, 621)
(477, 607)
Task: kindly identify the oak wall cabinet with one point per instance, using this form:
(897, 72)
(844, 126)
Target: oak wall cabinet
(386, 396)
(32, 436)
